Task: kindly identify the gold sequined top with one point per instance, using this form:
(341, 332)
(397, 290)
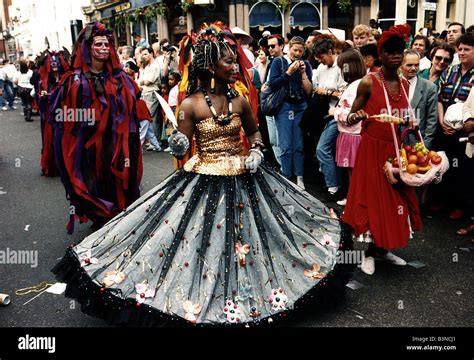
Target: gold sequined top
(219, 149)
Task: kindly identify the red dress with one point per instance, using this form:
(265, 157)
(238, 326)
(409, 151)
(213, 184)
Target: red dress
(373, 203)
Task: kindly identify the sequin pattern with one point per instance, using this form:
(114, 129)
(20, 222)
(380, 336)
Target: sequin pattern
(219, 149)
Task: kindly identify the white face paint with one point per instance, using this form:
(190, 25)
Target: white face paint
(100, 48)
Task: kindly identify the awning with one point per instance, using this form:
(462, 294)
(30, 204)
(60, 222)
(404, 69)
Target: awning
(265, 14)
(304, 14)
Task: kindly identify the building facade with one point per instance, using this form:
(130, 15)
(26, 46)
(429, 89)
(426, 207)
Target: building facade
(28, 27)
(172, 19)
(34, 28)
(429, 14)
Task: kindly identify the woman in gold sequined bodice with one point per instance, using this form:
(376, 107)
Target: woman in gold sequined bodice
(222, 240)
(219, 149)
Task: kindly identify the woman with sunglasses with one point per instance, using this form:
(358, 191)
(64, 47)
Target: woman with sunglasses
(441, 56)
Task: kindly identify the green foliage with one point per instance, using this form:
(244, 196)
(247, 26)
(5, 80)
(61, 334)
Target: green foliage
(162, 9)
(345, 6)
(284, 4)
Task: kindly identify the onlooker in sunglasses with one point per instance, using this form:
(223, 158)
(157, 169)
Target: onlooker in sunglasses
(441, 58)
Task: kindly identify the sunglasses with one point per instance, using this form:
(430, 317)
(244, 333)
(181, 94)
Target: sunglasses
(440, 59)
(272, 46)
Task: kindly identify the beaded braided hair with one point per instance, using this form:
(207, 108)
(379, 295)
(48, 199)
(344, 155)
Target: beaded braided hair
(208, 50)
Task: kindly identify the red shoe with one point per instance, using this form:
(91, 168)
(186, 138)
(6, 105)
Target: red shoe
(456, 214)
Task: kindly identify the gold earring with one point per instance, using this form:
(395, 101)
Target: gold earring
(213, 85)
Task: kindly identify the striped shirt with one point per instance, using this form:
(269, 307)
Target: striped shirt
(453, 85)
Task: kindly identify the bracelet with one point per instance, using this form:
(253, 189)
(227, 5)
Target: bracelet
(256, 143)
(257, 151)
(350, 119)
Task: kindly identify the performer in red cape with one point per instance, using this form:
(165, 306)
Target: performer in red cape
(96, 135)
(376, 208)
(52, 65)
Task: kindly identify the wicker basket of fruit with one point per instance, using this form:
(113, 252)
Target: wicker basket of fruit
(415, 165)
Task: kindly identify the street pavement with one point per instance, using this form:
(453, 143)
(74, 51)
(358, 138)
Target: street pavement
(33, 215)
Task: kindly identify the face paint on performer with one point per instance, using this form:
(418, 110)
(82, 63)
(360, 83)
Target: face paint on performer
(54, 63)
(100, 48)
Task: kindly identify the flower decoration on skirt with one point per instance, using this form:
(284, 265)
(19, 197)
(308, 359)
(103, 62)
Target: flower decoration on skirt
(278, 299)
(87, 259)
(241, 251)
(113, 277)
(143, 292)
(314, 272)
(232, 312)
(191, 310)
(327, 240)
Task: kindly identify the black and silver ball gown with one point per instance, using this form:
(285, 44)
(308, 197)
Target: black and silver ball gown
(210, 245)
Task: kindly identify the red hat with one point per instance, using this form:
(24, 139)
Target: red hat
(401, 31)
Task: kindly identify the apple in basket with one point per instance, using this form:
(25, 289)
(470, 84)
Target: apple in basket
(395, 162)
(410, 150)
(423, 161)
(436, 160)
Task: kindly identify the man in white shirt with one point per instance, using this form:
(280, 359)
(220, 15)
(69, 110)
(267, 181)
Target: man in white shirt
(328, 81)
(423, 97)
(150, 82)
(10, 74)
(165, 56)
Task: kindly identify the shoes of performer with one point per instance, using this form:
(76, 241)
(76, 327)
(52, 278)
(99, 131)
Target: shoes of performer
(368, 265)
(168, 149)
(333, 189)
(13, 107)
(4, 108)
(300, 182)
(342, 202)
(392, 259)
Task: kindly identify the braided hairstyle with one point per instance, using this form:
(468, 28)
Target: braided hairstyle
(208, 50)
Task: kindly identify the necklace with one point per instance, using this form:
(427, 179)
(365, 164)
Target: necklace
(220, 119)
(395, 98)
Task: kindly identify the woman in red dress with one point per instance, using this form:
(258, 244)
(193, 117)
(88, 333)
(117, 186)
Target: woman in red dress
(379, 211)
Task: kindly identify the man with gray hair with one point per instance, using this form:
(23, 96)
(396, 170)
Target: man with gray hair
(423, 97)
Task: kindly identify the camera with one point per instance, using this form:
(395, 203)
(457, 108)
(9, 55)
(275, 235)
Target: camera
(294, 98)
